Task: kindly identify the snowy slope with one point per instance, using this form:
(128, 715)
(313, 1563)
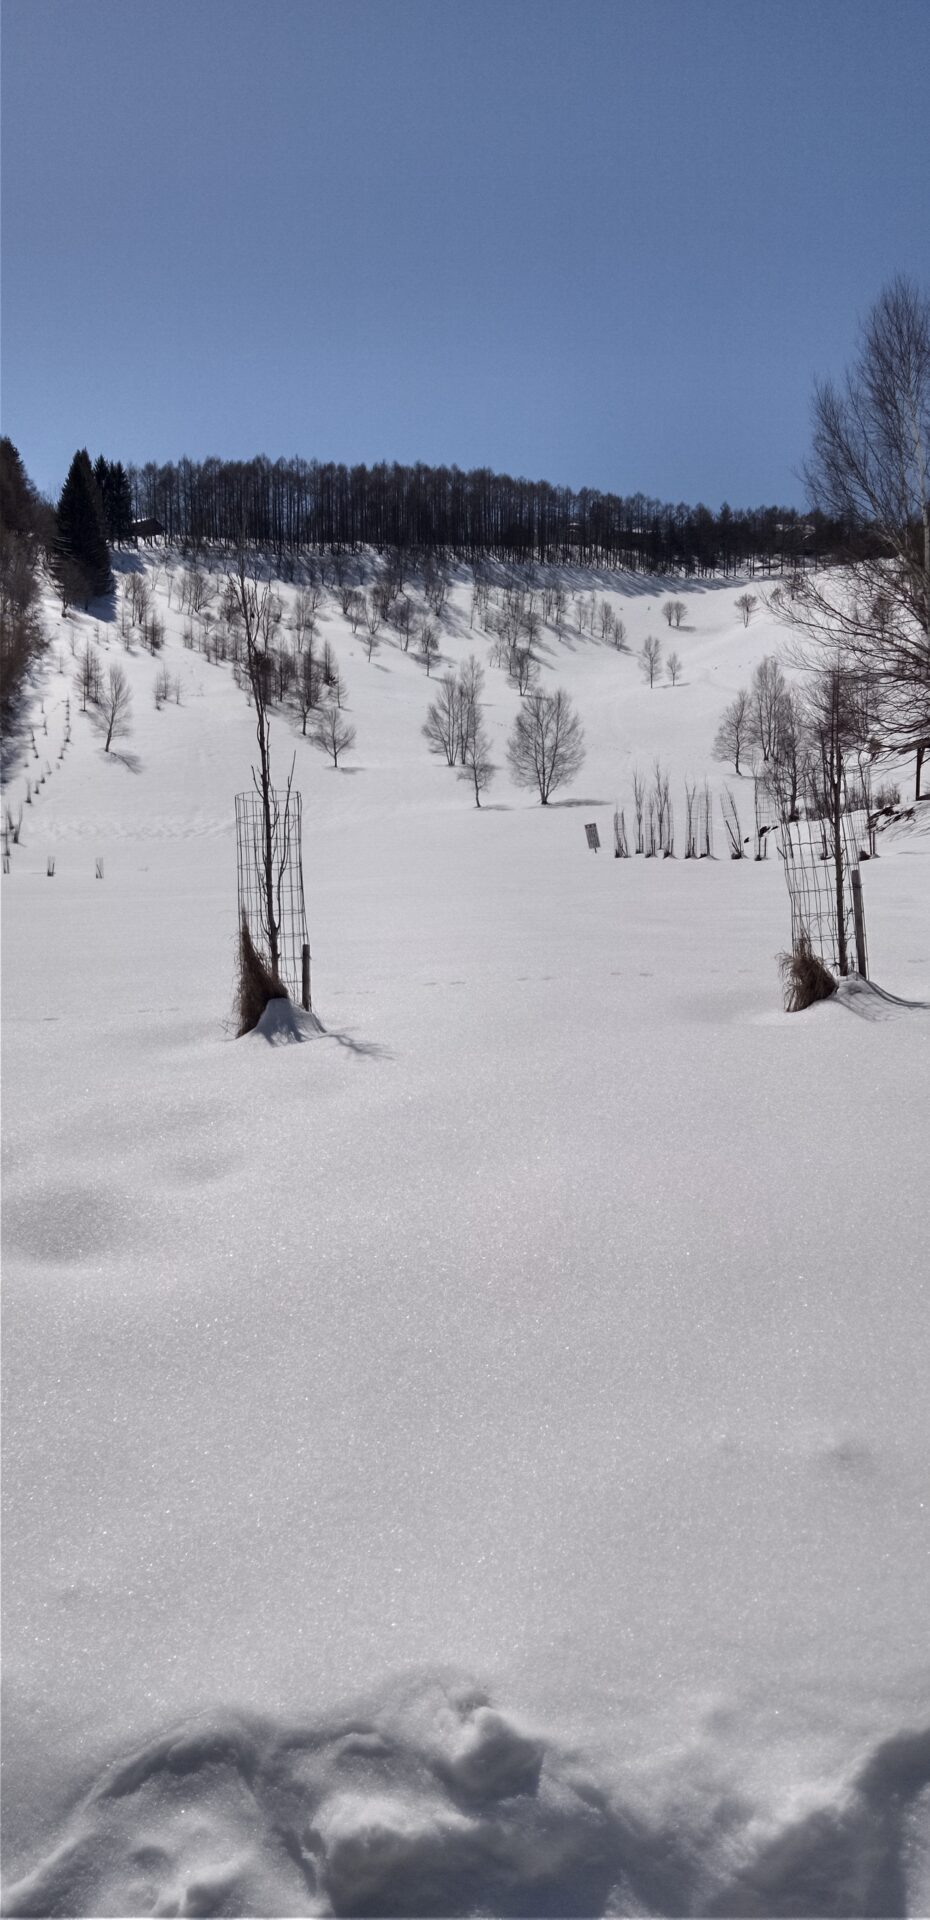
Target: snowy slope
(474, 1461)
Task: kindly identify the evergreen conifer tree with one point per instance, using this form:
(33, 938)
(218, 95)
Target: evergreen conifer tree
(22, 636)
(81, 543)
(116, 496)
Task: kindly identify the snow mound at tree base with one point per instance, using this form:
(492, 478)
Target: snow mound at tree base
(283, 1025)
(433, 1801)
(873, 1003)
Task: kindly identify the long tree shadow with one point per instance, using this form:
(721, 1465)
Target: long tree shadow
(370, 1049)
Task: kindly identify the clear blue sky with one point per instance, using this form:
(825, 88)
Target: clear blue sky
(595, 242)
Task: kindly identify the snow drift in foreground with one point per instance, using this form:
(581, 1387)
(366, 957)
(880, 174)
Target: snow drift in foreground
(435, 1801)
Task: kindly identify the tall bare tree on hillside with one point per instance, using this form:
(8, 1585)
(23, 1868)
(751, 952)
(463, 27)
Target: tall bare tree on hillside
(869, 471)
(258, 613)
(546, 746)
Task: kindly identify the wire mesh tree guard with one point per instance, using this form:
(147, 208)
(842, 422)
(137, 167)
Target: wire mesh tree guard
(825, 890)
(271, 885)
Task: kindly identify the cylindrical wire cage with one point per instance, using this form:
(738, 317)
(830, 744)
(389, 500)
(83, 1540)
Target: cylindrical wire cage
(817, 902)
(271, 883)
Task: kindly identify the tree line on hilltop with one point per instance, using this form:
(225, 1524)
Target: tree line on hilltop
(287, 505)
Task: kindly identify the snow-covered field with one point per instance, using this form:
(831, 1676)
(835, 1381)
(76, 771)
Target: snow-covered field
(474, 1462)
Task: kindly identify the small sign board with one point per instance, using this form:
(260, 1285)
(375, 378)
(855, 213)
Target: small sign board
(594, 838)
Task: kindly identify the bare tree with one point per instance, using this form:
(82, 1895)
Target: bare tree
(546, 746)
(429, 644)
(138, 597)
(303, 615)
(835, 724)
(258, 611)
(87, 675)
(673, 668)
(747, 604)
(403, 620)
(477, 758)
(441, 729)
(766, 703)
(115, 703)
(619, 633)
(674, 611)
(650, 659)
(733, 733)
(374, 614)
(523, 669)
(309, 686)
(869, 472)
(332, 733)
(469, 689)
(639, 801)
(153, 632)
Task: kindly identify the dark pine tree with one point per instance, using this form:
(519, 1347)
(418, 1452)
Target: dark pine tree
(22, 530)
(81, 547)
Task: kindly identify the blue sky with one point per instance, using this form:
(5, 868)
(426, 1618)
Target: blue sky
(602, 244)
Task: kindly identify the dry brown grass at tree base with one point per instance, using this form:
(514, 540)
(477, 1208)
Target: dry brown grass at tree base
(257, 984)
(805, 978)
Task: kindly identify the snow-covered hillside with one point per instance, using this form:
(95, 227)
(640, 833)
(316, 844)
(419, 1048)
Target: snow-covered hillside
(474, 1462)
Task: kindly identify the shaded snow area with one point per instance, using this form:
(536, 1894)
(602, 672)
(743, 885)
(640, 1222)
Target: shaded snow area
(473, 1462)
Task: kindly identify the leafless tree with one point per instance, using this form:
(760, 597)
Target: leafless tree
(523, 669)
(835, 724)
(639, 801)
(303, 614)
(138, 597)
(691, 819)
(673, 668)
(747, 604)
(374, 614)
(115, 703)
(733, 733)
(87, 675)
(309, 686)
(477, 758)
(661, 801)
(332, 733)
(442, 726)
(674, 611)
(429, 644)
(469, 688)
(403, 620)
(258, 611)
(328, 667)
(546, 746)
(162, 688)
(650, 658)
(435, 585)
(766, 703)
(153, 632)
(731, 821)
(869, 471)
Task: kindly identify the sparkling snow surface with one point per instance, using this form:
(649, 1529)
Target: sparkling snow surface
(473, 1461)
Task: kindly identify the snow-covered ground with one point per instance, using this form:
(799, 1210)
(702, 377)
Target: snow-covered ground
(474, 1462)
